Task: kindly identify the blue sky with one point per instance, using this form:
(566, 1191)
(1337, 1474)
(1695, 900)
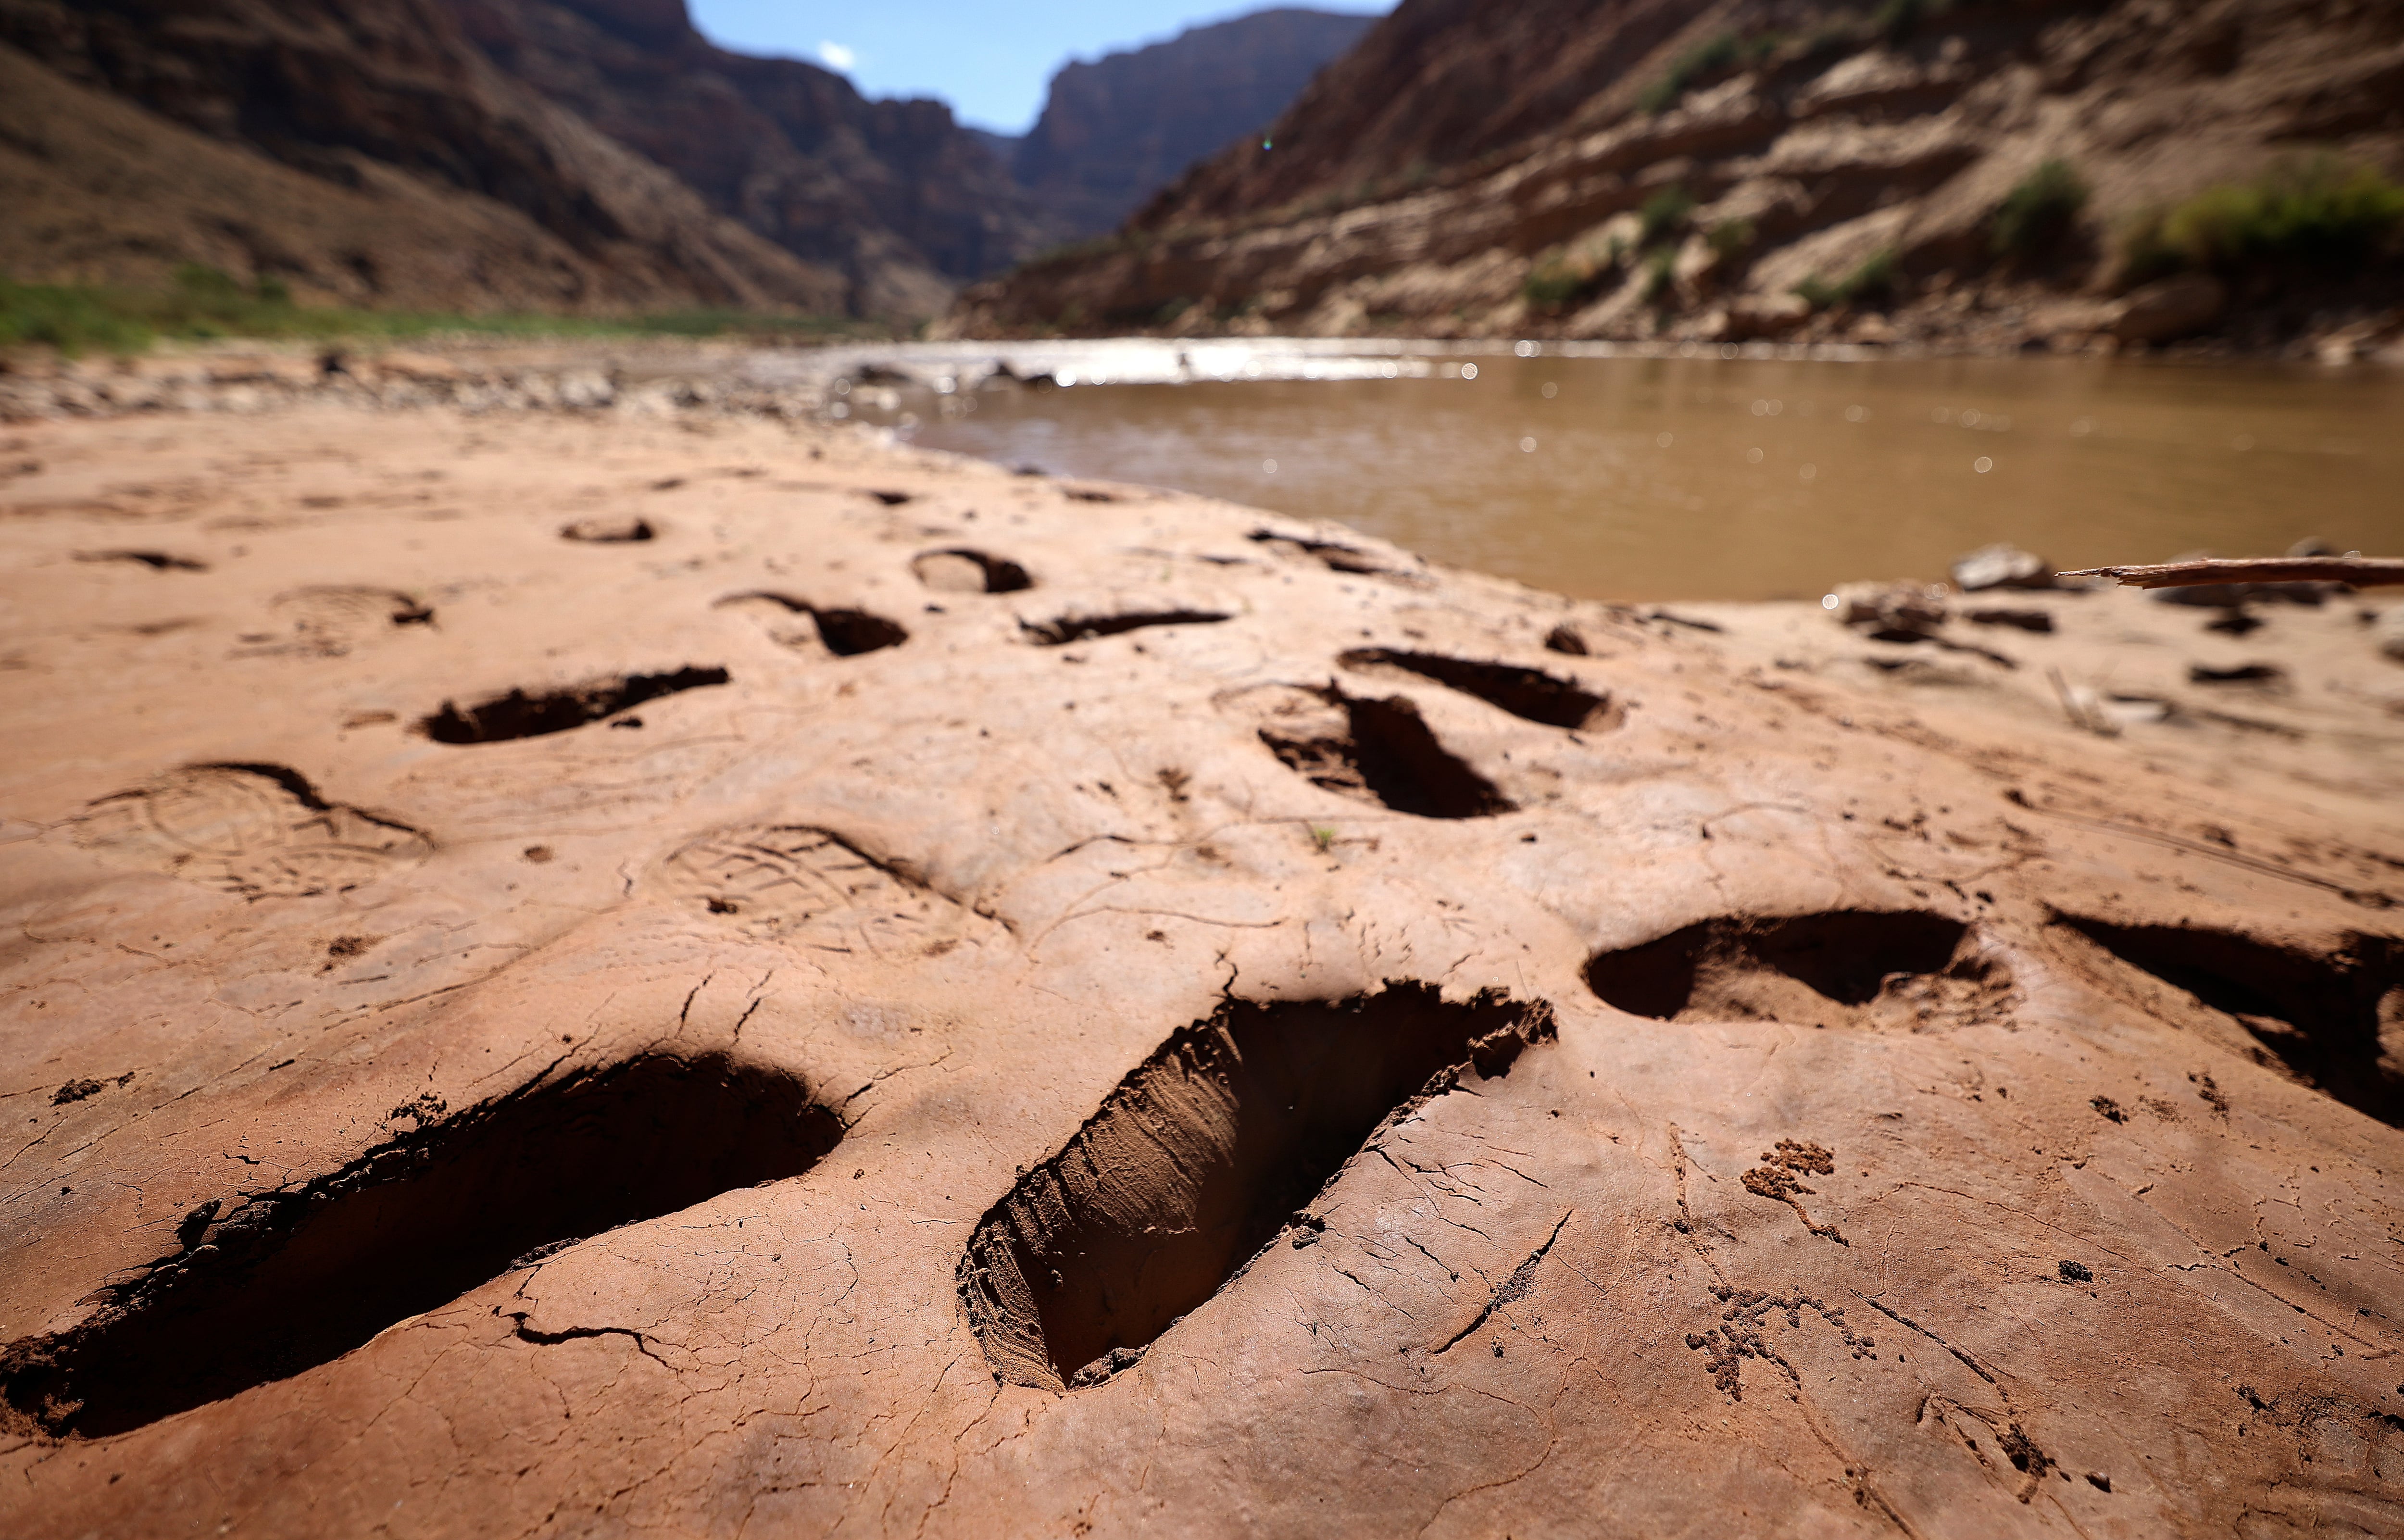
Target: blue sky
(989, 60)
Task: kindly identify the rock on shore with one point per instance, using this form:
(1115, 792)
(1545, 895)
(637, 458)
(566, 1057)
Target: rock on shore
(904, 999)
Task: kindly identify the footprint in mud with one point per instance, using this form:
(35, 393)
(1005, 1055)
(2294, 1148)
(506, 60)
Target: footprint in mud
(1846, 967)
(1379, 752)
(157, 561)
(623, 529)
(1073, 628)
(776, 880)
(2332, 1019)
(844, 633)
(265, 1287)
(517, 714)
(965, 572)
(1529, 693)
(1331, 554)
(257, 830)
(327, 621)
(1199, 1158)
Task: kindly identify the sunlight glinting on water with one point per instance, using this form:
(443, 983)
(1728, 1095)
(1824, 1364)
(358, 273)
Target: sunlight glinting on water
(1608, 471)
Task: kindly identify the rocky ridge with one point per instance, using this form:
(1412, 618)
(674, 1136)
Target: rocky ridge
(1759, 168)
(1114, 132)
(894, 194)
(503, 153)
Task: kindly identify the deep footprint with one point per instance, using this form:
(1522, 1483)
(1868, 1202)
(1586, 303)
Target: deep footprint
(1199, 1158)
(260, 831)
(1844, 967)
(1375, 751)
(606, 531)
(157, 561)
(1070, 628)
(518, 715)
(284, 1281)
(2334, 1020)
(964, 571)
(844, 633)
(1529, 693)
(1329, 554)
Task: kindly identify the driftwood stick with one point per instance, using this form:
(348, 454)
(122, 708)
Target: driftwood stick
(2356, 571)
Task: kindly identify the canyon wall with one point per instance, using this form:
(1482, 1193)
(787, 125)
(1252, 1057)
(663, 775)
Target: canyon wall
(1663, 168)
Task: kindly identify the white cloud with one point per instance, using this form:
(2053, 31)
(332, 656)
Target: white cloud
(835, 56)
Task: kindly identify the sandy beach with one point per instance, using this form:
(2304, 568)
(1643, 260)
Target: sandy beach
(654, 962)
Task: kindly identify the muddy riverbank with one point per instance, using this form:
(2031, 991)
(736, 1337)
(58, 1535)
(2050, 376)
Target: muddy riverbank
(701, 968)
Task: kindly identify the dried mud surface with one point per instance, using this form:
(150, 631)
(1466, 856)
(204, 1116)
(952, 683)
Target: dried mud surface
(920, 1000)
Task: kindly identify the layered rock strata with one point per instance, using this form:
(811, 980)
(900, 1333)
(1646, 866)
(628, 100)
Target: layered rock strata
(1640, 168)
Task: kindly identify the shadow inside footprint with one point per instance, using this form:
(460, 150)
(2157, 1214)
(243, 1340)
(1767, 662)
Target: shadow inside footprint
(269, 1285)
(157, 561)
(520, 715)
(1375, 751)
(1072, 628)
(1199, 1158)
(844, 633)
(1529, 693)
(1849, 966)
(608, 530)
(2332, 1019)
(964, 571)
(1331, 554)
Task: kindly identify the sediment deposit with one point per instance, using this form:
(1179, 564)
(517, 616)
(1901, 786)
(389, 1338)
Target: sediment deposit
(613, 969)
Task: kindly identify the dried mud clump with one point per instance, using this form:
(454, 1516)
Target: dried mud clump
(1199, 1158)
(2332, 1019)
(520, 715)
(1850, 967)
(280, 1282)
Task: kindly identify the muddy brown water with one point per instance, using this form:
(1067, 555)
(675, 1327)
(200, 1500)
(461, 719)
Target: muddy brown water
(1631, 478)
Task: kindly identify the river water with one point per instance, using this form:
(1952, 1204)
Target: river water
(1711, 477)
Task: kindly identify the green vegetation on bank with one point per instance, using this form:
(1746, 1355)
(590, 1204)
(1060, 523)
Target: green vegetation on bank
(1893, 22)
(1578, 272)
(2319, 212)
(1873, 279)
(203, 303)
(2038, 210)
(1713, 56)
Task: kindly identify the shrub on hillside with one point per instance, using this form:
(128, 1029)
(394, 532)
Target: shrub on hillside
(1660, 275)
(2319, 212)
(1663, 212)
(1727, 51)
(1572, 276)
(2038, 210)
(1873, 279)
(1730, 236)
